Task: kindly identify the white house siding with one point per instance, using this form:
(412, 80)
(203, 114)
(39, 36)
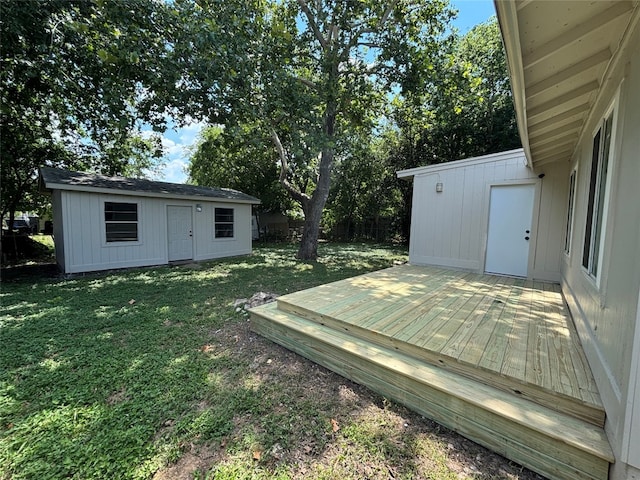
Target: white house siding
(606, 310)
(81, 215)
(207, 246)
(450, 228)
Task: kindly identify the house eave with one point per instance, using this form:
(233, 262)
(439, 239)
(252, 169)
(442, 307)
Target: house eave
(561, 56)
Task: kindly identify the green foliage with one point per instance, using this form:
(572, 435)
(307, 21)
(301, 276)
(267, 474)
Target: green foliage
(467, 110)
(364, 186)
(114, 375)
(240, 159)
(73, 76)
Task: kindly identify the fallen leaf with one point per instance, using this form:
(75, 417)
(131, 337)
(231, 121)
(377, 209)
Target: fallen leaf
(132, 301)
(334, 425)
(257, 454)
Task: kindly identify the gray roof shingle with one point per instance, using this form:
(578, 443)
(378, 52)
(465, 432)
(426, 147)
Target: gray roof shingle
(89, 181)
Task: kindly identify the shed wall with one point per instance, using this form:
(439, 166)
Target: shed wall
(58, 231)
(85, 248)
(450, 228)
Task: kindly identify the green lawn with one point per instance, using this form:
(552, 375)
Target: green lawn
(108, 376)
(153, 374)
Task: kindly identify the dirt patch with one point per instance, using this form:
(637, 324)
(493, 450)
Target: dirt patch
(348, 431)
(195, 461)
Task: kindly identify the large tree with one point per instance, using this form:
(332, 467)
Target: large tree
(466, 110)
(307, 73)
(77, 77)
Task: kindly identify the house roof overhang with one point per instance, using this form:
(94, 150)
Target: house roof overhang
(560, 55)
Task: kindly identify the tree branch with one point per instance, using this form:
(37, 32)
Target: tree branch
(387, 13)
(308, 83)
(355, 40)
(312, 23)
(284, 168)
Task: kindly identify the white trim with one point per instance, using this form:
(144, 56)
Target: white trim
(440, 167)
(569, 230)
(103, 224)
(599, 280)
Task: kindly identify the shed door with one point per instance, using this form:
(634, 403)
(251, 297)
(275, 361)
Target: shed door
(510, 216)
(180, 233)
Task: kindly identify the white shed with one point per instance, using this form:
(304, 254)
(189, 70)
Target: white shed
(101, 223)
(488, 214)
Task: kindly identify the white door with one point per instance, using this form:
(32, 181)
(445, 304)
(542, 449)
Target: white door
(180, 233)
(510, 217)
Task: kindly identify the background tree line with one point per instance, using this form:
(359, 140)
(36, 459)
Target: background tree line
(311, 104)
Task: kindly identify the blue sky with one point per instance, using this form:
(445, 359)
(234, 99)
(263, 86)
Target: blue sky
(177, 142)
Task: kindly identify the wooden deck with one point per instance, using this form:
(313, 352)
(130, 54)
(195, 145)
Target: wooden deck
(509, 342)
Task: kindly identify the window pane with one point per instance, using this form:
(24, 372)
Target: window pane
(120, 212)
(224, 215)
(602, 185)
(224, 223)
(572, 193)
(586, 253)
(121, 221)
(224, 230)
(122, 232)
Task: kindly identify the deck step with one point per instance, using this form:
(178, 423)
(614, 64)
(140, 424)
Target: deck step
(593, 413)
(549, 442)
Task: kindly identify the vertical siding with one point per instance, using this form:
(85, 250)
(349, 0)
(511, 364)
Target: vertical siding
(207, 246)
(85, 241)
(450, 228)
(85, 247)
(606, 312)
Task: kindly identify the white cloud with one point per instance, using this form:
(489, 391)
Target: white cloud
(176, 144)
(174, 171)
(171, 149)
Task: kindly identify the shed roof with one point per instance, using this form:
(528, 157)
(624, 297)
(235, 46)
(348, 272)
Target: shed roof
(58, 179)
(409, 173)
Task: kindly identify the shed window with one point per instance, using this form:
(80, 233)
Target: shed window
(597, 195)
(121, 221)
(224, 222)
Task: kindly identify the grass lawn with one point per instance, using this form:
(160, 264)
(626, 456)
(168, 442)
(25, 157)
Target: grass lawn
(151, 373)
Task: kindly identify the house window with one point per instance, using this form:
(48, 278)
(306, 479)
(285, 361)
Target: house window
(224, 222)
(597, 195)
(121, 221)
(572, 194)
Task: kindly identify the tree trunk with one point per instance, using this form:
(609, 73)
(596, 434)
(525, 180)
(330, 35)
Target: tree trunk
(309, 243)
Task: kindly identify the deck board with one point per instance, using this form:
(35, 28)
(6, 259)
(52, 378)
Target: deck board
(519, 333)
(553, 444)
